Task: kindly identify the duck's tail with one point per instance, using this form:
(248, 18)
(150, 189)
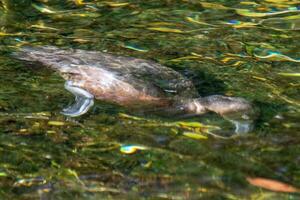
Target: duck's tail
(32, 53)
(45, 55)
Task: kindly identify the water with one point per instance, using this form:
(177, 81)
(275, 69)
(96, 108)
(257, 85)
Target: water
(238, 48)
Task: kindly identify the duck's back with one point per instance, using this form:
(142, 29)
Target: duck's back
(145, 76)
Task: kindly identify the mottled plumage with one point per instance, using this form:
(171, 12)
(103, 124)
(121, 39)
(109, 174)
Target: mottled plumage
(127, 81)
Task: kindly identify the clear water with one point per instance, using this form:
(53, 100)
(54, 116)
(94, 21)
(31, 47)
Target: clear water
(252, 53)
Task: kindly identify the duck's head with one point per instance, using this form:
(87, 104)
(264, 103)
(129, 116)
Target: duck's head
(237, 110)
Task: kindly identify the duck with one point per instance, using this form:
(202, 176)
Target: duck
(133, 83)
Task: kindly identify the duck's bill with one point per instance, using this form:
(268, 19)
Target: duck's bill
(243, 121)
(242, 127)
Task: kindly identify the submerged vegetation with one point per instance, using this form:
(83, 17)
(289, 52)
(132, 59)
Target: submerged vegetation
(237, 48)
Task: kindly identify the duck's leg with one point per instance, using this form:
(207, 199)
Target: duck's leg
(83, 100)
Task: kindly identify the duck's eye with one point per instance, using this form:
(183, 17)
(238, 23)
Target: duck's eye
(148, 65)
(144, 65)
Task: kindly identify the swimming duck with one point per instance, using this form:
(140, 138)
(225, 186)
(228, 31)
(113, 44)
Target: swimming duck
(132, 82)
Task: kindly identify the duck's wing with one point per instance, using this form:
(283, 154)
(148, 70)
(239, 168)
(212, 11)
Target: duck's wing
(167, 79)
(153, 78)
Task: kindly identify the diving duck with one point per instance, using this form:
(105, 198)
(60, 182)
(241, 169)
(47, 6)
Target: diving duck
(131, 82)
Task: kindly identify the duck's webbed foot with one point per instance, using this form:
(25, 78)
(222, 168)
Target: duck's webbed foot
(83, 100)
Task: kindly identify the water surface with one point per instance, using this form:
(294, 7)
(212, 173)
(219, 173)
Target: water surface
(237, 48)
